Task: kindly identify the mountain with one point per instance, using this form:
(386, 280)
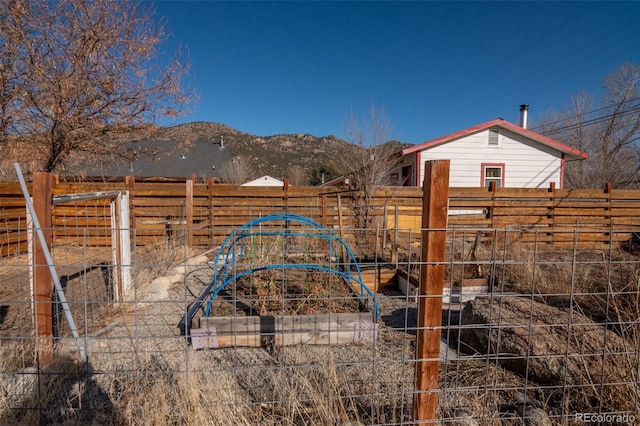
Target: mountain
(270, 155)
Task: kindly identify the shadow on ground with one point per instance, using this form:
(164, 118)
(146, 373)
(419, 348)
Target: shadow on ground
(65, 392)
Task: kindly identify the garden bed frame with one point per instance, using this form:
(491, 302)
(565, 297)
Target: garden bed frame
(281, 330)
(257, 331)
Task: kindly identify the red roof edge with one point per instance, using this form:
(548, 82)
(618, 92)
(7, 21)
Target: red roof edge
(506, 125)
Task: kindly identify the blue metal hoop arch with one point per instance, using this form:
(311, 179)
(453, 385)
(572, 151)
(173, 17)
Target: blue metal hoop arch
(233, 248)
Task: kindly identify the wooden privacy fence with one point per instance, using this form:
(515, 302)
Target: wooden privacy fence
(558, 216)
(202, 214)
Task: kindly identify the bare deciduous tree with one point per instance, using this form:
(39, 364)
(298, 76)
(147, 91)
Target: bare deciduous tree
(77, 76)
(609, 132)
(369, 168)
(13, 35)
(236, 171)
(297, 175)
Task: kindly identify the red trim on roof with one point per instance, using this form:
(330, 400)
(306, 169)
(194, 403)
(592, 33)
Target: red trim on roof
(563, 148)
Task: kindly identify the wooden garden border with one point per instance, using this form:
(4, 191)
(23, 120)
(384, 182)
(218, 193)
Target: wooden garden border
(256, 331)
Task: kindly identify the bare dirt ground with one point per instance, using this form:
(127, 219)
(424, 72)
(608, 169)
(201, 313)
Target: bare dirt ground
(15, 288)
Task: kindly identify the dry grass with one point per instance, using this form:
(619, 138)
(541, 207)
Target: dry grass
(603, 285)
(159, 394)
(315, 392)
(154, 384)
(61, 393)
(332, 385)
(155, 259)
(483, 390)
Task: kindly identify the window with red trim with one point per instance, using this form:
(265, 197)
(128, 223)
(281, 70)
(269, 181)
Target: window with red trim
(492, 172)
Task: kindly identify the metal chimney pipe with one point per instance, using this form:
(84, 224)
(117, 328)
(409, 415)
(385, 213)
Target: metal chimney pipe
(524, 109)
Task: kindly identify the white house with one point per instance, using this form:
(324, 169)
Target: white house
(496, 151)
(264, 181)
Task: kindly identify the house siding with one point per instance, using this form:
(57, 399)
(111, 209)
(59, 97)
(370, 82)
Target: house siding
(528, 164)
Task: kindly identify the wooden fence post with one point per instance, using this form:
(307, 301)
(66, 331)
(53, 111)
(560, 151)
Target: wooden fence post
(435, 203)
(492, 189)
(609, 215)
(342, 235)
(189, 212)
(385, 227)
(210, 185)
(285, 188)
(325, 219)
(124, 241)
(396, 237)
(42, 281)
(130, 181)
(552, 212)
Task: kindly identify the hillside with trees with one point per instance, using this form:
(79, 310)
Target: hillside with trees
(301, 157)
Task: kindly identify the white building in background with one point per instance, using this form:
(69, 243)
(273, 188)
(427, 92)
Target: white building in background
(264, 181)
(496, 151)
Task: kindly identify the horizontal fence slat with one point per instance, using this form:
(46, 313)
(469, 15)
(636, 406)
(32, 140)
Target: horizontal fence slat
(159, 210)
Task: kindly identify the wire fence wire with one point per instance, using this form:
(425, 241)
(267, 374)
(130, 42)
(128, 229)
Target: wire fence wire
(532, 333)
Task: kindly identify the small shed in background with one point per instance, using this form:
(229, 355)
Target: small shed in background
(264, 181)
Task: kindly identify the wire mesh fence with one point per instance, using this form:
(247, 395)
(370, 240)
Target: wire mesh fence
(532, 332)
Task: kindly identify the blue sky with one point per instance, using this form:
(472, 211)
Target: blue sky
(268, 68)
